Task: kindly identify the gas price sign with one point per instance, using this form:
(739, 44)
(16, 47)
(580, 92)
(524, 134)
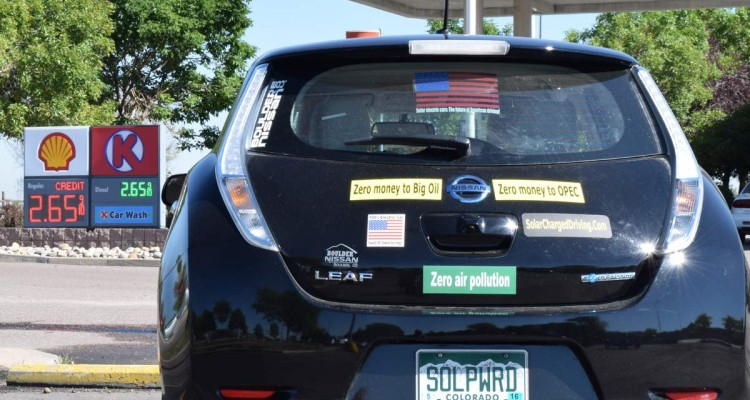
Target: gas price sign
(125, 201)
(101, 176)
(56, 202)
(125, 176)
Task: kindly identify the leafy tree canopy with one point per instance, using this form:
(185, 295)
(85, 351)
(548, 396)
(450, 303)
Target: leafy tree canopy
(701, 61)
(456, 25)
(672, 45)
(50, 61)
(177, 62)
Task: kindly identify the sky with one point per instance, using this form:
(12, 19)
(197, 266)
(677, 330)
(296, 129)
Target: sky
(280, 23)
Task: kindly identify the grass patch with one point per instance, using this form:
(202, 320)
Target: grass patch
(66, 359)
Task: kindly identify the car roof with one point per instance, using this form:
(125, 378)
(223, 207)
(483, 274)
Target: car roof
(526, 46)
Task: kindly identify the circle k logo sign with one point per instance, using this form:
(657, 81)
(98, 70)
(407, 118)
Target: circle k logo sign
(125, 151)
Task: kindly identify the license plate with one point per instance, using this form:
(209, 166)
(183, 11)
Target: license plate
(472, 375)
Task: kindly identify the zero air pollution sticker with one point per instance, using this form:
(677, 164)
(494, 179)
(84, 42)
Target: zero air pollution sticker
(396, 189)
(534, 190)
(441, 279)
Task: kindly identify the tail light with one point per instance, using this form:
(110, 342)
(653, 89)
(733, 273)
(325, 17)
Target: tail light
(246, 394)
(687, 195)
(231, 176)
(743, 203)
(698, 395)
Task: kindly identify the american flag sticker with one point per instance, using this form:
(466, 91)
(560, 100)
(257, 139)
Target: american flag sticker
(386, 230)
(456, 92)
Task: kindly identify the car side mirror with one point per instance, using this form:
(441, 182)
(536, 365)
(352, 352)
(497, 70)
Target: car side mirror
(170, 193)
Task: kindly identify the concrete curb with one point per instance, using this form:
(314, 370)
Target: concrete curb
(121, 376)
(109, 262)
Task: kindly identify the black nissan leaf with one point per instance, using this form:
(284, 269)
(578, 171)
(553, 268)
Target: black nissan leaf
(444, 217)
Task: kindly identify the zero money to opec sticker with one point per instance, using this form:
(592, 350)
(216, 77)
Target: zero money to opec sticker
(534, 190)
(396, 189)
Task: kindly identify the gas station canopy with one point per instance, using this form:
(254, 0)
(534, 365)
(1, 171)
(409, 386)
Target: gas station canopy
(522, 10)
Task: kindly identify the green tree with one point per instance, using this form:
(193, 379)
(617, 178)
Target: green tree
(177, 62)
(733, 324)
(672, 45)
(722, 147)
(456, 26)
(50, 61)
(701, 61)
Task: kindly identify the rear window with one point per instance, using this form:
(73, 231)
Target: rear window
(509, 112)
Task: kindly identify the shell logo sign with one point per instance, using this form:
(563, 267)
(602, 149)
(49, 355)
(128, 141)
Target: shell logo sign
(56, 151)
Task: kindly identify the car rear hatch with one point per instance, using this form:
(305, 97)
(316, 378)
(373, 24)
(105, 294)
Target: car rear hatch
(418, 252)
(526, 180)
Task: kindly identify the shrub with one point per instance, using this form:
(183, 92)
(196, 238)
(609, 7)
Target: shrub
(11, 214)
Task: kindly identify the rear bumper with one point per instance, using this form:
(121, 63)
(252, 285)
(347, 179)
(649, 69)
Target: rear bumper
(249, 326)
(742, 222)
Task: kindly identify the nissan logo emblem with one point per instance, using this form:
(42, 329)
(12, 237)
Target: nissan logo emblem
(468, 189)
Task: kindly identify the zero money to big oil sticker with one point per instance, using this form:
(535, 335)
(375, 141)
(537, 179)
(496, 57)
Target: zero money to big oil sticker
(396, 189)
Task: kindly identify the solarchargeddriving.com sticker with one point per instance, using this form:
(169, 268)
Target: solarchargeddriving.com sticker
(566, 225)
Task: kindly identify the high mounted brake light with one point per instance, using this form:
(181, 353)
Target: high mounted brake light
(687, 197)
(459, 47)
(231, 176)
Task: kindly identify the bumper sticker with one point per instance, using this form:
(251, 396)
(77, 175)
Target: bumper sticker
(567, 225)
(440, 279)
(533, 190)
(396, 189)
(456, 91)
(345, 261)
(341, 256)
(267, 114)
(386, 230)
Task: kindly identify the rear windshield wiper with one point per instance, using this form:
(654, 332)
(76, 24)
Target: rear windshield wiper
(461, 145)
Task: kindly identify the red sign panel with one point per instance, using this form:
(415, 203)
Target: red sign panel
(125, 150)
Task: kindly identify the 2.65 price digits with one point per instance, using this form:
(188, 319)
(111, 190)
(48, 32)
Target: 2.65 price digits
(136, 189)
(57, 208)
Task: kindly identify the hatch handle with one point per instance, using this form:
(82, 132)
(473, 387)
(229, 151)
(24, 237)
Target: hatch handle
(461, 234)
